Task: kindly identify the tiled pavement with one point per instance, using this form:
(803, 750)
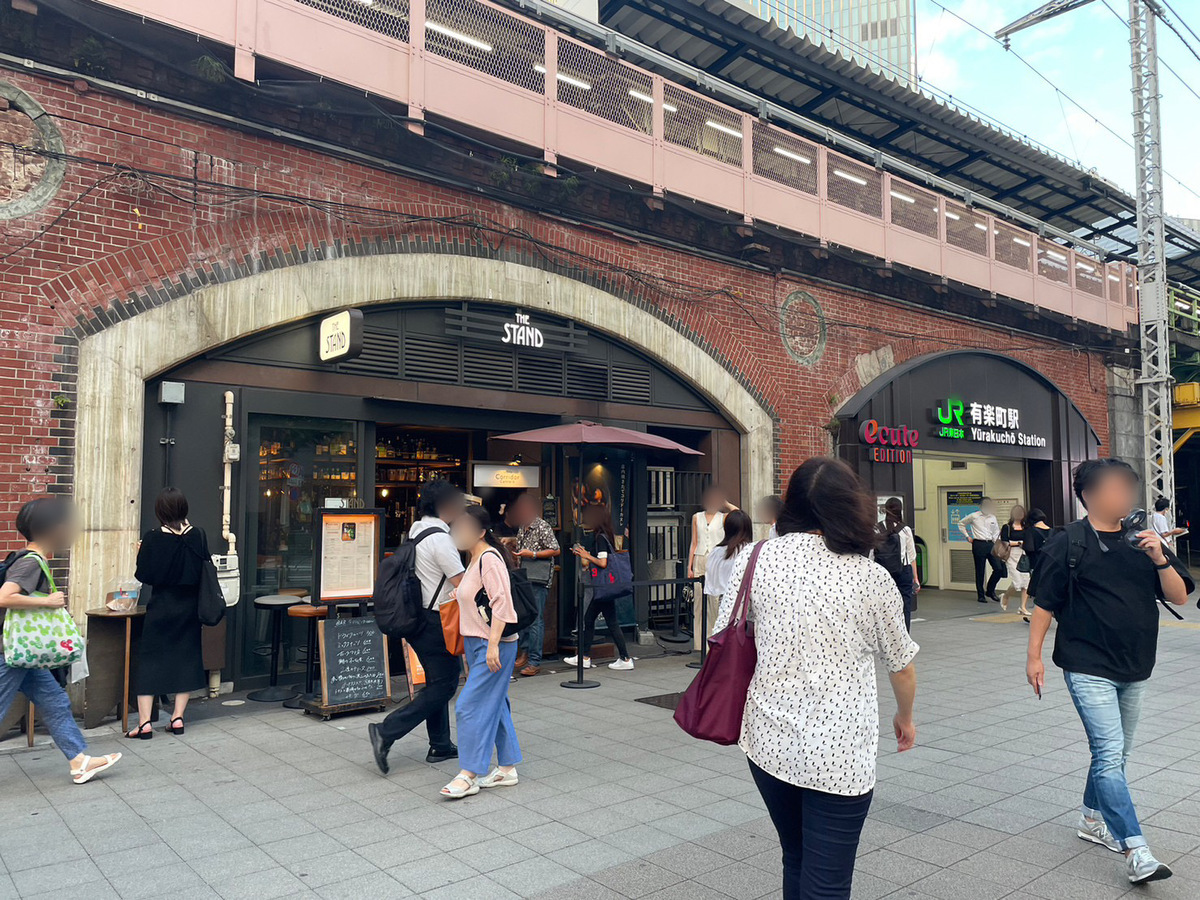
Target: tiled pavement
(614, 800)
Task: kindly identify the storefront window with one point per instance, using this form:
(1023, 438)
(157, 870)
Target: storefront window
(301, 464)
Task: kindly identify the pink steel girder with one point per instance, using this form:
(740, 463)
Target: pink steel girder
(474, 62)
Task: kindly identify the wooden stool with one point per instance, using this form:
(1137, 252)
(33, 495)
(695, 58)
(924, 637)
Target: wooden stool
(313, 614)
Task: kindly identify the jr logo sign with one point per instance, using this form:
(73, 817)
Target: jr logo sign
(949, 414)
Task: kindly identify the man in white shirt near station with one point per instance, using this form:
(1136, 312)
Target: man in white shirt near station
(983, 530)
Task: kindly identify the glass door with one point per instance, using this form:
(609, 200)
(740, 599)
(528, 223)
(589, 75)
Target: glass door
(301, 464)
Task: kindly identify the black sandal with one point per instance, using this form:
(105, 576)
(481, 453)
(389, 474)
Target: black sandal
(171, 729)
(142, 733)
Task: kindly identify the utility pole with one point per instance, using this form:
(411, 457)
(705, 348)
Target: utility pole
(1153, 296)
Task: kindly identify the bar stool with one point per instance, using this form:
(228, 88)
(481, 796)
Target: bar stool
(314, 614)
(275, 604)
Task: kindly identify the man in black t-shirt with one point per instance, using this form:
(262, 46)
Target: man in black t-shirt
(1103, 591)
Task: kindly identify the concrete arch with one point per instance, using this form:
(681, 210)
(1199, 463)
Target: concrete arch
(115, 363)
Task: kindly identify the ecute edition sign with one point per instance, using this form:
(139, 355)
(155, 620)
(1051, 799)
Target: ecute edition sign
(889, 444)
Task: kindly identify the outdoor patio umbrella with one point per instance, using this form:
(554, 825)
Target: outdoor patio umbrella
(578, 434)
(591, 433)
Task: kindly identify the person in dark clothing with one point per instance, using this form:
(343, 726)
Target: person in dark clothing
(439, 568)
(169, 657)
(597, 544)
(1103, 591)
(899, 553)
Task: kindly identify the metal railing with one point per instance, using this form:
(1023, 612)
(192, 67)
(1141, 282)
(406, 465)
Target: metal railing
(473, 62)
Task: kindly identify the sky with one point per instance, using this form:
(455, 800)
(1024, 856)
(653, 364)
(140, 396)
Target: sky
(1086, 54)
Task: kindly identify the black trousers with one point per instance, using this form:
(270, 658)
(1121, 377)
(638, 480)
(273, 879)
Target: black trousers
(432, 704)
(608, 609)
(904, 581)
(982, 551)
(819, 835)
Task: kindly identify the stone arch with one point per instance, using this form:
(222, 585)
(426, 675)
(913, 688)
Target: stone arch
(115, 362)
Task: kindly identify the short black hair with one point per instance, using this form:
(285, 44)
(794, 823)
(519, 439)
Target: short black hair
(1035, 515)
(985, 499)
(1088, 473)
(434, 495)
(40, 517)
(171, 507)
(1162, 504)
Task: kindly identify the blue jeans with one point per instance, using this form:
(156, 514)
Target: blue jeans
(819, 835)
(482, 711)
(533, 637)
(53, 705)
(1110, 711)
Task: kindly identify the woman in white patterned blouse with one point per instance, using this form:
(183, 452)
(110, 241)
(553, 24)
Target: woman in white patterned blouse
(823, 611)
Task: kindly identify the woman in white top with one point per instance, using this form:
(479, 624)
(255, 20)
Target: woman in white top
(823, 612)
(708, 530)
(739, 531)
(899, 555)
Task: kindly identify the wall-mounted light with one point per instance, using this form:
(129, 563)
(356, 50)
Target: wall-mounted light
(383, 492)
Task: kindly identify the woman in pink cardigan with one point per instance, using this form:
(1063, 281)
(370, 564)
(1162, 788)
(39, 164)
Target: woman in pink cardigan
(485, 606)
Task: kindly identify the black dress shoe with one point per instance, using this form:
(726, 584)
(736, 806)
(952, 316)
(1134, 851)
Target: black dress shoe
(993, 598)
(982, 599)
(437, 756)
(379, 747)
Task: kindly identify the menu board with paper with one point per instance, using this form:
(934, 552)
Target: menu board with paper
(349, 551)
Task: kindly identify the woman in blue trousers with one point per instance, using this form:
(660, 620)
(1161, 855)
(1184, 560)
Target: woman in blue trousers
(485, 607)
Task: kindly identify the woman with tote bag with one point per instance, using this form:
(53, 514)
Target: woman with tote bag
(822, 613)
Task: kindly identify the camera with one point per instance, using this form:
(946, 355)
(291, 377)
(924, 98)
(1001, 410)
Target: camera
(1133, 525)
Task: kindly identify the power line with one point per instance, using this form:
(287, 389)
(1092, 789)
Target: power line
(1166, 65)
(1116, 134)
(1180, 19)
(200, 193)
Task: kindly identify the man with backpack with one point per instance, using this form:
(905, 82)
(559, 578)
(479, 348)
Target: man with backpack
(432, 559)
(1100, 578)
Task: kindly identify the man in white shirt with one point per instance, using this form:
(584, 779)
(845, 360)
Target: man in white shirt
(1162, 525)
(439, 568)
(982, 530)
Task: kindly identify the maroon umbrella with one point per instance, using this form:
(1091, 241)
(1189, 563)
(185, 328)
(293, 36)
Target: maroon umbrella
(592, 433)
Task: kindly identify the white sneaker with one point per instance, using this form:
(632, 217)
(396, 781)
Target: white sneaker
(1143, 868)
(574, 661)
(1097, 832)
(621, 665)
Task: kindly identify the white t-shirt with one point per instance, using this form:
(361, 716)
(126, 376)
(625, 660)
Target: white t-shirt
(717, 571)
(436, 557)
(1158, 521)
(820, 620)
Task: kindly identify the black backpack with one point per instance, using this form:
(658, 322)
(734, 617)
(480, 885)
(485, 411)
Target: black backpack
(9, 560)
(400, 609)
(522, 596)
(887, 554)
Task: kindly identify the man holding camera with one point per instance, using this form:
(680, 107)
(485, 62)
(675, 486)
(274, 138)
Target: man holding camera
(1101, 579)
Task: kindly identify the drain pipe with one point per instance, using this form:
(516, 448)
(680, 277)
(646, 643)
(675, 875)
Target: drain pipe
(228, 571)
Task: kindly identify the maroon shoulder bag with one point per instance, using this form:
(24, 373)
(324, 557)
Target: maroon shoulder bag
(711, 708)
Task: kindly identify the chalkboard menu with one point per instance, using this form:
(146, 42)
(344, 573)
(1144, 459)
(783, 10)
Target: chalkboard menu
(354, 663)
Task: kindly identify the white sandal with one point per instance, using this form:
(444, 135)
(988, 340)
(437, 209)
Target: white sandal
(498, 778)
(83, 774)
(452, 793)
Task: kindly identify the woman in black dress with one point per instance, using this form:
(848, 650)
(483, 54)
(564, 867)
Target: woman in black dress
(169, 658)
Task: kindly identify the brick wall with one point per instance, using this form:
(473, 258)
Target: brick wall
(110, 244)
